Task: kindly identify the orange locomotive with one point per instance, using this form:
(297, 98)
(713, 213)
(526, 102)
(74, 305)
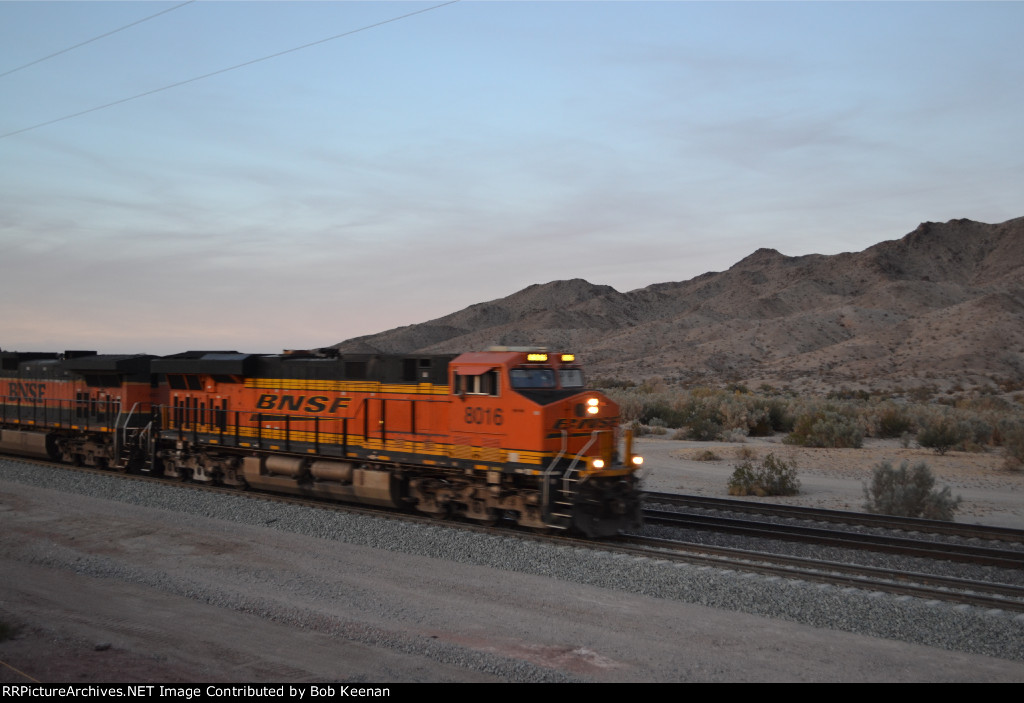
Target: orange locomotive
(77, 407)
(504, 434)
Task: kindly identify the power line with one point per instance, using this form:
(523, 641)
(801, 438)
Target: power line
(90, 41)
(225, 70)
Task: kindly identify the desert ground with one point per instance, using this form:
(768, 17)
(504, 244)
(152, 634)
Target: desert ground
(835, 478)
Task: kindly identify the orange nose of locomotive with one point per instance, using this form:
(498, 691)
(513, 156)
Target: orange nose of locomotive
(599, 485)
(587, 425)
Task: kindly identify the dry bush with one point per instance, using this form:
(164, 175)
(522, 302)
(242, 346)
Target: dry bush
(908, 492)
(746, 453)
(941, 435)
(1013, 445)
(772, 477)
(826, 428)
(893, 421)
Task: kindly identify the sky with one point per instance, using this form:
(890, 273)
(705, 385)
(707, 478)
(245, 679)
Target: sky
(414, 164)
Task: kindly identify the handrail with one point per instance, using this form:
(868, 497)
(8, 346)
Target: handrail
(126, 420)
(576, 459)
(572, 467)
(545, 491)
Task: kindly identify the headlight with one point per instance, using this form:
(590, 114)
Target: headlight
(597, 464)
(637, 460)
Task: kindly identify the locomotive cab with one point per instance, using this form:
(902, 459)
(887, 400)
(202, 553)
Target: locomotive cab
(526, 416)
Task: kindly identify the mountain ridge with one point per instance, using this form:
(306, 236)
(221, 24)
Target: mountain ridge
(943, 305)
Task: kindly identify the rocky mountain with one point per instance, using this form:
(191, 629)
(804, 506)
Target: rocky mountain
(942, 306)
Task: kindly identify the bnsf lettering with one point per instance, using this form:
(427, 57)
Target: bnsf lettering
(301, 403)
(36, 391)
(587, 423)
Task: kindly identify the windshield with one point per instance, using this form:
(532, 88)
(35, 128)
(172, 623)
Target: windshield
(570, 378)
(532, 378)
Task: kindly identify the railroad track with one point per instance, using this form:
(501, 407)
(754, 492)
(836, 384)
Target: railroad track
(979, 593)
(889, 522)
(968, 553)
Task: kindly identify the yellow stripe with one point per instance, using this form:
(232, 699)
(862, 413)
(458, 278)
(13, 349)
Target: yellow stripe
(302, 384)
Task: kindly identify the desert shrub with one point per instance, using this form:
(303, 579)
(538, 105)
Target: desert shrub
(637, 428)
(732, 411)
(941, 434)
(661, 410)
(779, 415)
(893, 421)
(746, 453)
(706, 455)
(630, 404)
(772, 477)
(908, 492)
(986, 404)
(1013, 446)
(922, 394)
(976, 432)
(704, 424)
(735, 434)
(605, 382)
(758, 417)
(641, 430)
(825, 428)
(845, 393)
(761, 427)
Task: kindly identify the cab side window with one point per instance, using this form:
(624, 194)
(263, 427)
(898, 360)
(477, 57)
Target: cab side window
(480, 384)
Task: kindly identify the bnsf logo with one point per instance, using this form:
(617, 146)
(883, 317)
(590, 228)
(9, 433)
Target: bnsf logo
(301, 403)
(16, 389)
(586, 423)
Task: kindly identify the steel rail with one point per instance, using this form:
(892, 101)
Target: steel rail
(893, 522)
(977, 593)
(1009, 559)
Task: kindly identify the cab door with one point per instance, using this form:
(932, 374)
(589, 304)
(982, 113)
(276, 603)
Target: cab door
(478, 415)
